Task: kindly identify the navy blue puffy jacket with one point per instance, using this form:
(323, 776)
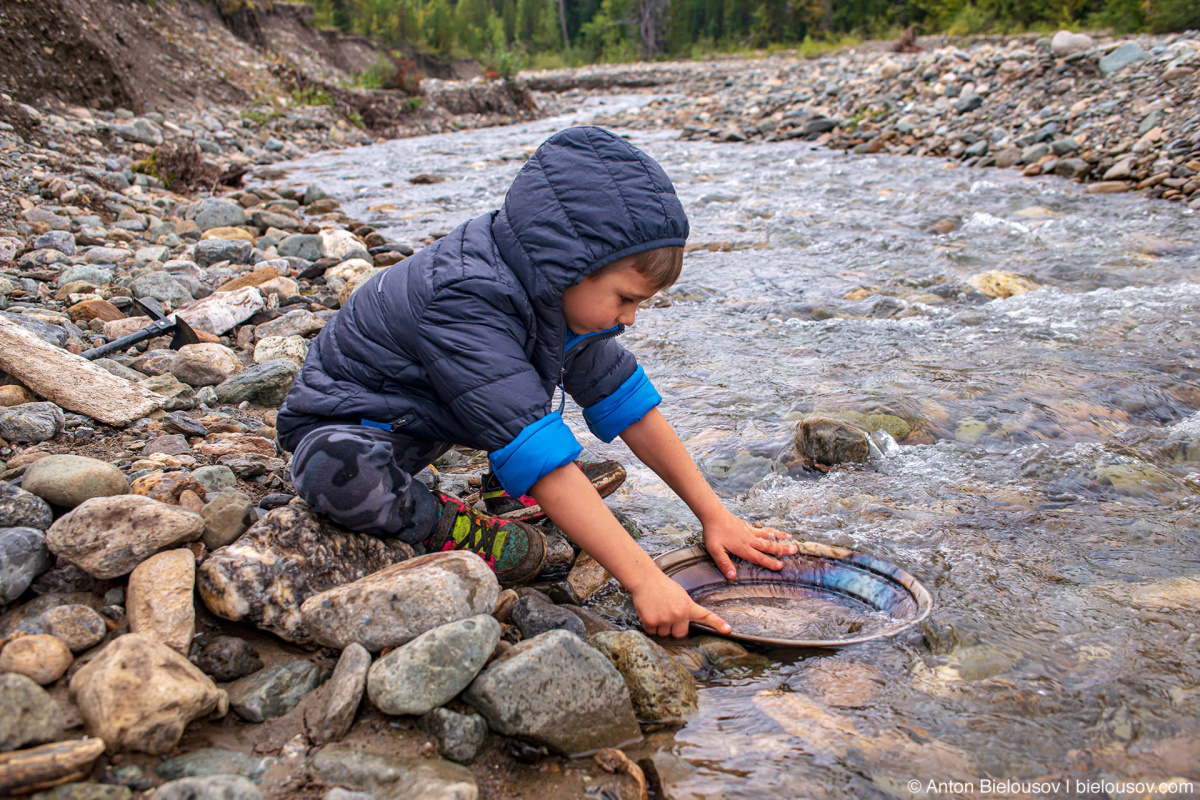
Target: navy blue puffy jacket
(465, 341)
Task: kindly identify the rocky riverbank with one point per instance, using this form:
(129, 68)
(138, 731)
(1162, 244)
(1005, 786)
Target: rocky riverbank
(1118, 114)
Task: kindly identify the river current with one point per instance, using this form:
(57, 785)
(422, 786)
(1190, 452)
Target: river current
(1046, 483)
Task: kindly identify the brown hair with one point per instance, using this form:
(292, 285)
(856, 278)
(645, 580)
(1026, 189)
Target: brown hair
(661, 265)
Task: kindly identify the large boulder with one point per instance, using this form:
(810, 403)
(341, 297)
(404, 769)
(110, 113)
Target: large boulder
(580, 704)
(397, 604)
(138, 694)
(108, 536)
(282, 560)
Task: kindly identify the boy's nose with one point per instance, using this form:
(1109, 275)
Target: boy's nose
(626, 318)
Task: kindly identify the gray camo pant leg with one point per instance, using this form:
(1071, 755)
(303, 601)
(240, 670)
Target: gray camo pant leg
(362, 479)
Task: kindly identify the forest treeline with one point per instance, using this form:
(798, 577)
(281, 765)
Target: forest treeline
(507, 35)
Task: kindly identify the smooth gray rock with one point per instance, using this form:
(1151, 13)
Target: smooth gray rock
(434, 667)
(85, 272)
(140, 130)
(459, 736)
(266, 384)
(329, 718)
(1122, 57)
(1065, 43)
(28, 714)
(581, 703)
(62, 241)
(107, 255)
(312, 194)
(212, 251)
(226, 517)
(208, 761)
(215, 478)
(660, 688)
(23, 556)
(309, 247)
(397, 604)
(66, 481)
(396, 777)
(162, 286)
(274, 691)
(215, 212)
(31, 422)
(22, 509)
(214, 787)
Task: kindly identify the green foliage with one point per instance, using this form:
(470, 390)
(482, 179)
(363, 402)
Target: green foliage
(310, 96)
(506, 36)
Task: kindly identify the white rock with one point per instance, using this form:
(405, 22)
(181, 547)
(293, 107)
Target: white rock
(1065, 43)
(220, 312)
(292, 348)
(338, 243)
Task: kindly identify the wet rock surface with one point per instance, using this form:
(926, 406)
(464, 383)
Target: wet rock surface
(660, 688)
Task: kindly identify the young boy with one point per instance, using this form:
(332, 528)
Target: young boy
(468, 342)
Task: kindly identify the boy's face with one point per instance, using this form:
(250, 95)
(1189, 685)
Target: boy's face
(599, 303)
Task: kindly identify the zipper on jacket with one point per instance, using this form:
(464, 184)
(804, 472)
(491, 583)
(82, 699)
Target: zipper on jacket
(562, 364)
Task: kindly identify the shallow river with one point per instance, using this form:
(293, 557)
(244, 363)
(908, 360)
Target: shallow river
(1041, 488)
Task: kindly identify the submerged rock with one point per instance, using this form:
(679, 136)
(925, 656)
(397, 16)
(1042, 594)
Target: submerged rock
(582, 703)
(282, 560)
(825, 442)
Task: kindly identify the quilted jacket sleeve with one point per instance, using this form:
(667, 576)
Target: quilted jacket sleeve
(606, 380)
(472, 350)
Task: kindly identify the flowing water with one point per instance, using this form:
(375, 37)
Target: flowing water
(1046, 487)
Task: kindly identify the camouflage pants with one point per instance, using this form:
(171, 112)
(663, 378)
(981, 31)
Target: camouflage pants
(362, 479)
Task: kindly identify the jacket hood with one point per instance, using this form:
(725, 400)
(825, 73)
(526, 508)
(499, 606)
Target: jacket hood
(584, 199)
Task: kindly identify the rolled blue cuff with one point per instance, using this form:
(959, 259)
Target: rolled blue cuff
(629, 403)
(538, 450)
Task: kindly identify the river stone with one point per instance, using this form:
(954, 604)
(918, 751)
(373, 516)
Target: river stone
(23, 557)
(155, 362)
(215, 212)
(459, 736)
(109, 536)
(22, 509)
(62, 241)
(158, 601)
(180, 396)
(826, 442)
(213, 251)
(660, 688)
(1065, 43)
(587, 577)
(330, 716)
(216, 478)
(303, 246)
(534, 615)
(212, 787)
(300, 322)
(998, 284)
(220, 312)
(138, 694)
(274, 691)
(27, 618)
(210, 761)
(105, 255)
(162, 286)
(78, 626)
(399, 603)
(28, 715)
(226, 517)
(167, 487)
(227, 658)
(13, 395)
(31, 422)
(581, 705)
(340, 243)
(41, 657)
(205, 364)
(171, 444)
(434, 667)
(66, 481)
(290, 348)
(265, 384)
(282, 560)
(1122, 57)
(97, 276)
(85, 791)
(395, 777)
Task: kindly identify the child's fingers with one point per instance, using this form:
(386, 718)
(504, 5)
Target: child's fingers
(703, 616)
(770, 540)
(723, 562)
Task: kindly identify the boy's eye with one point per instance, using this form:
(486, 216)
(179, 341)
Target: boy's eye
(625, 299)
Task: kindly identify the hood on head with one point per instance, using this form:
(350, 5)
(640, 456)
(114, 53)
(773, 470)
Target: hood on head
(584, 199)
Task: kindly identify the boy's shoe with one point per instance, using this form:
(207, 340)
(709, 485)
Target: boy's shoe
(513, 550)
(606, 476)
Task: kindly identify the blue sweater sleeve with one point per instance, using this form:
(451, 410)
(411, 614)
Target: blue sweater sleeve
(539, 449)
(628, 404)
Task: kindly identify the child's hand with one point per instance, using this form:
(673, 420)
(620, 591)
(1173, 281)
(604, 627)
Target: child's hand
(666, 609)
(730, 535)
